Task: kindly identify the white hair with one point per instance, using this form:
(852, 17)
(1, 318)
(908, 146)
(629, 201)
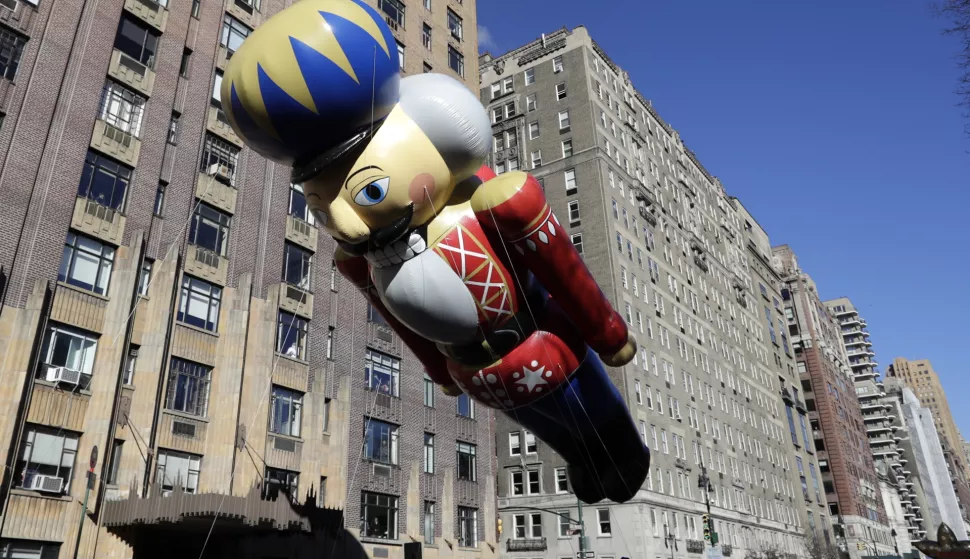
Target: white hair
(453, 119)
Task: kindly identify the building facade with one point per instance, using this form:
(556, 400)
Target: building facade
(167, 299)
(920, 377)
(848, 471)
(883, 425)
(926, 462)
(666, 245)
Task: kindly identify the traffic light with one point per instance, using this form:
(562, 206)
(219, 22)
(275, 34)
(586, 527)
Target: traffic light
(860, 546)
(498, 526)
(706, 521)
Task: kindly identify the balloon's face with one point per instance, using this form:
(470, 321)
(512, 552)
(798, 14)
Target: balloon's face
(397, 173)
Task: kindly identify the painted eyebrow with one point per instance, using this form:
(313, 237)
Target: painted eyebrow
(358, 171)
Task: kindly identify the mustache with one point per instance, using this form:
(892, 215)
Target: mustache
(382, 236)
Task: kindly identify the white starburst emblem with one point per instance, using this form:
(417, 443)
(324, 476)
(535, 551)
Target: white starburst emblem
(532, 377)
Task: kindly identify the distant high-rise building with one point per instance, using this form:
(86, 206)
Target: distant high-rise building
(165, 297)
(848, 472)
(709, 385)
(883, 427)
(925, 383)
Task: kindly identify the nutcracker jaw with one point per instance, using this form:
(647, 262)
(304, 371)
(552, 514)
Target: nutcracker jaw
(395, 182)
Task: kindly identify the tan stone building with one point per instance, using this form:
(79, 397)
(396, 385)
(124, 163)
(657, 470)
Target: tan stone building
(166, 298)
(920, 377)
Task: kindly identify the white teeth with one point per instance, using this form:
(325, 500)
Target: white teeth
(398, 252)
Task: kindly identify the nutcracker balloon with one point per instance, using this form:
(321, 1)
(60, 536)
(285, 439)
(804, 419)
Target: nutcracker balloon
(472, 270)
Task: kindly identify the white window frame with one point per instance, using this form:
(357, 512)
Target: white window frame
(601, 523)
(557, 64)
(515, 444)
(562, 480)
(564, 124)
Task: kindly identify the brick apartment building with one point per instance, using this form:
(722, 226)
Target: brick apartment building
(828, 376)
(167, 298)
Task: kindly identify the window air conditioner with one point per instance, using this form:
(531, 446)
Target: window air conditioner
(63, 374)
(48, 484)
(217, 169)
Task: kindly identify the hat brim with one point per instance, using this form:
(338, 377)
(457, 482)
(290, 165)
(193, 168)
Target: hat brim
(319, 163)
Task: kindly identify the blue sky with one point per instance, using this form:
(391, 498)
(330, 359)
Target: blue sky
(836, 125)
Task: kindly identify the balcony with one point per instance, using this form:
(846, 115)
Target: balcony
(245, 12)
(132, 73)
(148, 11)
(218, 124)
(726, 549)
(115, 142)
(215, 193)
(525, 544)
(301, 233)
(695, 546)
(878, 429)
(786, 396)
(206, 264)
(98, 221)
(296, 301)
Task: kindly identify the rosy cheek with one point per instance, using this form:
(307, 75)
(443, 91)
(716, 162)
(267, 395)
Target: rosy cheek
(421, 189)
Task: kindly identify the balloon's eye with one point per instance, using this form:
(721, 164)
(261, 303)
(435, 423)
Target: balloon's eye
(373, 193)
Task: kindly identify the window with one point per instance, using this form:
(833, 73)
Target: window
(530, 76)
(518, 486)
(159, 200)
(530, 103)
(394, 10)
(11, 48)
(186, 60)
(47, 452)
(567, 148)
(515, 444)
(466, 406)
(282, 482)
(86, 263)
(513, 164)
(173, 130)
(298, 206)
(380, 441)
(428, 391)
(570, 176)
(378, 515)
(219, 159)
(454, 25)
(234, 32)
(188, 387)
(557, 64)
(297, 263)
(400, 55)
(564, 121)
(530, 443)
(467, 469)
(382, 372)
(217, 90)
(534, 485)
(536, 157)
(573, 207)
(122, 108)
(533, 130)
(428, 527)
(603, 521)
(577, 240)
(286, 410)
(562, 483)
(564, 526)
(426, 68)
(69, 348)
(200, 302)
(104, 181)
(178, 468)
(130, 361)
(456, 61)
(427, 4)
(561, 91)
(467, 527)
(426, 36)
(196, 4)
(137, 41)
(210, 229)
(429, 453)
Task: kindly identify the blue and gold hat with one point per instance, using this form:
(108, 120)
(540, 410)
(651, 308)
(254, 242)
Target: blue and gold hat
(313, 79)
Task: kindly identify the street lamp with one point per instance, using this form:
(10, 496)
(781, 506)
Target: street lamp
(670, 541)
(704, 483)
